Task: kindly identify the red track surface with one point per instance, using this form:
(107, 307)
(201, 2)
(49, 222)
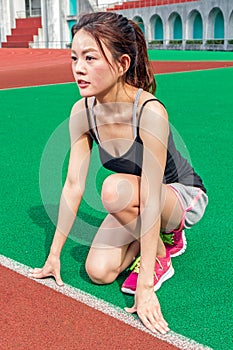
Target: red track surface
(184, 66)
(29, 67)
(36, 317)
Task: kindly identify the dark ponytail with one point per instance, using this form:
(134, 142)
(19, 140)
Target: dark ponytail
(121, 36)
(143, 73)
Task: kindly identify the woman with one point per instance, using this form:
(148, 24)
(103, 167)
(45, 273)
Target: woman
(153, 193)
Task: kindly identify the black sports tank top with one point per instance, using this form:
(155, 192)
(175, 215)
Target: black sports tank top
(177, 168)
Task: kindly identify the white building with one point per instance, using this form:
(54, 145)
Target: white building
(185, 24)
(176, 24)
(53, 20)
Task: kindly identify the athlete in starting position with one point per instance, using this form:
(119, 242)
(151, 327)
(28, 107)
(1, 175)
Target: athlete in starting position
(153, 193)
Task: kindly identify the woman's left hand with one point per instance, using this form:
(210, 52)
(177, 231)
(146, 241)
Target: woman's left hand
(147, 306)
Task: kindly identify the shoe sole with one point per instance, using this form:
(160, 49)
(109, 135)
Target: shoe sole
(180, 252)
(170, 272)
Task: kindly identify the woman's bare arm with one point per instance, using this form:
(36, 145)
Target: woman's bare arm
(154, 134)
(72, 191)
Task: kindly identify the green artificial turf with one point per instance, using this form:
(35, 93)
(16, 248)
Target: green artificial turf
(197, 301)
(182, 55)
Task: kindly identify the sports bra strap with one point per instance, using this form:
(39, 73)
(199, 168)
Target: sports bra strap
(89, 120)
(88, 113)
(135, 106)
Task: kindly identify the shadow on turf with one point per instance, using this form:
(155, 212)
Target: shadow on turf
(40, 217)
(79, 252)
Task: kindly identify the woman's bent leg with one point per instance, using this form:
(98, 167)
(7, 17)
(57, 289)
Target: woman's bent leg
(112, 251)
(116, 243)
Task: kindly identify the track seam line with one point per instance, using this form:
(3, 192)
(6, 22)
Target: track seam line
(192, 71)
(35, 86)
(107, 308)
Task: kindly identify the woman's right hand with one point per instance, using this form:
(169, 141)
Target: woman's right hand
(51, 267)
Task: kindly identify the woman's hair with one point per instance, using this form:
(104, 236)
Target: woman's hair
(121, 36)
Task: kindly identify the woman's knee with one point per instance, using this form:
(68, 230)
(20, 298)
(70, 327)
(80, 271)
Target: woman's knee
(117, 193)
(100, 273)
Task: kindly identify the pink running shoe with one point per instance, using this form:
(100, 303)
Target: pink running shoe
(175, 242)
(163, 271)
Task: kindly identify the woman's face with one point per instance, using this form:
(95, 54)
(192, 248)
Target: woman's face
(93, 74)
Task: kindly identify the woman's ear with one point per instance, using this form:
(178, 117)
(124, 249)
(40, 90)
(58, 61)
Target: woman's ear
(124, 64)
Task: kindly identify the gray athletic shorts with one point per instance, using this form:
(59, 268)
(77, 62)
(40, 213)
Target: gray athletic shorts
(194, 202)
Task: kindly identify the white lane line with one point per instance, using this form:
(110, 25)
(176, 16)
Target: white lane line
(35, 86)
(109, 309)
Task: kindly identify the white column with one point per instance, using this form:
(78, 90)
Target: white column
(50, 23)
(64, 28)
(226, 27)
(43, 32)
(19, 8)
(54, 33)
(205, 26)
(5, 19)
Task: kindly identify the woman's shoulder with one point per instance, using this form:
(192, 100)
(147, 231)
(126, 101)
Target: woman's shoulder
(78, 107)
(153, 118)
(150, 102)
(78, 118)
(78, 111)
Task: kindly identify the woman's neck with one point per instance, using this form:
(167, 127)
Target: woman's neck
(118, 109)
(119, 93)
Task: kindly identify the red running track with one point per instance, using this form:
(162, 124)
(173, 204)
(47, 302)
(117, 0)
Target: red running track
(34, 316)
(30, 67)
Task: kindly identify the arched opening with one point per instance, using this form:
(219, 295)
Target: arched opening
(219, 26)
(158, 33)
(215, 27)
(194, 28)
(156, 26)
(230, 33)
(197, 27)
(140, 23)
(175, 28)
